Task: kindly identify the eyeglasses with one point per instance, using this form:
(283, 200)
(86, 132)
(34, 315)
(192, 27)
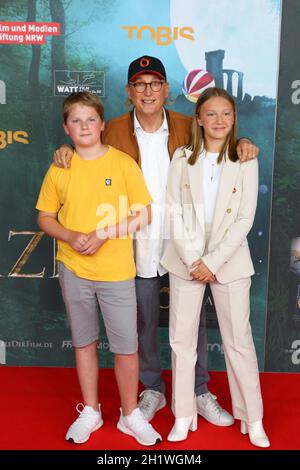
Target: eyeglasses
(140, 87)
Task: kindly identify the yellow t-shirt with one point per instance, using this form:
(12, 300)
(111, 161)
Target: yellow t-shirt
(93, 194)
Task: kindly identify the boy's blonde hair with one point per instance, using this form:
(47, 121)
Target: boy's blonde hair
(86, 98)
(197, 139)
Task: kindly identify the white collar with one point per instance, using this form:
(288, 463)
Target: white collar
(212, 157)
(138, 127)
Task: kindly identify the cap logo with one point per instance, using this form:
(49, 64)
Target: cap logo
(144, 62)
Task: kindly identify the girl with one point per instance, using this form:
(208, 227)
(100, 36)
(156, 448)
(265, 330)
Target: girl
(212, 200)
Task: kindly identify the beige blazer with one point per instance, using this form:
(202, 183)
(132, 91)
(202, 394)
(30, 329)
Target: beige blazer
(228, 254)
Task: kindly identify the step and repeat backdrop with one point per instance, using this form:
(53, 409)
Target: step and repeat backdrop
(51, 48)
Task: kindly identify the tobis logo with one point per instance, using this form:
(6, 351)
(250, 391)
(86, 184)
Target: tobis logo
(9, 137)
(162, 35)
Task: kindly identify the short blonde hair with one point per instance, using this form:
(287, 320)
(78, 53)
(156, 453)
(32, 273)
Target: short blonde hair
(86, 98)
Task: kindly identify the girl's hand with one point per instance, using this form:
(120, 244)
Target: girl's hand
(200, 272)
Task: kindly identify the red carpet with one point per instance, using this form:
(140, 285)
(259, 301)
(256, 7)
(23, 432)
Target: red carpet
(38, 405)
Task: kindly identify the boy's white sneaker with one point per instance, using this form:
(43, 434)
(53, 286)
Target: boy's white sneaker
(137, 426)
(87, 422)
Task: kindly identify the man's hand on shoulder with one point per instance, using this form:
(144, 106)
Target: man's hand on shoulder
(246, 150)
(62, 157)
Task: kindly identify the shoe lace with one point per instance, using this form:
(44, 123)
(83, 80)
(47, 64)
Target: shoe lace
(213, 404)
(84, 415)
(140, 423)
(147, 399)
(79, 408)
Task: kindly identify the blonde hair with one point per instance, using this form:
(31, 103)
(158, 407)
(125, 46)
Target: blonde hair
(83, 97)
(197, 139)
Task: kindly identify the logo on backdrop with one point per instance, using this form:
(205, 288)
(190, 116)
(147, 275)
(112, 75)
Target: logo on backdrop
(10, 137)
(215, 347)
(296, 353)
(73, 81)
(2, 352)
(162, 35)
(2, 92)
(67, 345)
(20, 32)
(28, 249)
(26, 343)
(295, 97)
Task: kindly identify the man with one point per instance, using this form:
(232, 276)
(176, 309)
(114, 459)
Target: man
(150, 134)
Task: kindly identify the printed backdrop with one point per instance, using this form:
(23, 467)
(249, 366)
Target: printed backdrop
(49, 48)
(283, 326)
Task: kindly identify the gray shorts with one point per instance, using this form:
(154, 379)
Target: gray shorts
(117, 302)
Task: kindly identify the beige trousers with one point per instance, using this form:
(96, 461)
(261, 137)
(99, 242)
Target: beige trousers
(233, 310)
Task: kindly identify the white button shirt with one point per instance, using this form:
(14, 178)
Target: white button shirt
(211, 179)
(155, 161)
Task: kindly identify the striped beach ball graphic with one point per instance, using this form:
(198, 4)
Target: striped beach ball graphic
(195, 82)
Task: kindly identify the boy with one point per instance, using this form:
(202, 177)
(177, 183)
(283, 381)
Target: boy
(86, 209)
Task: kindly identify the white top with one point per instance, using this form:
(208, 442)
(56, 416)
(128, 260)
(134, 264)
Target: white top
(155, 160)
(211, 178)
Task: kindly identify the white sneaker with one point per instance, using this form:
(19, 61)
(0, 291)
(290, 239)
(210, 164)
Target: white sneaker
(137, 426)
(211, 410)
(150, 402)
(87, 422)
